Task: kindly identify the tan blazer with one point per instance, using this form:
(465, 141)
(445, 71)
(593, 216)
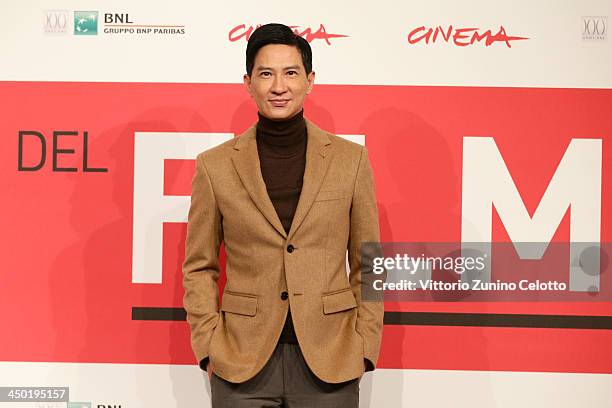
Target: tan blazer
(337, 211)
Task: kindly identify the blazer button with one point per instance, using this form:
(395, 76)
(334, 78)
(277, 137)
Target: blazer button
(290, 248)
(284, 295)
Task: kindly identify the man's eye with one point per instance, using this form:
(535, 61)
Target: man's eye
(292, 72)
(265, 74)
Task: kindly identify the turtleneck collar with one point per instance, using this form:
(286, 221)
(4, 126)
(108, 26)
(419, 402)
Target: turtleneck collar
(286, 132)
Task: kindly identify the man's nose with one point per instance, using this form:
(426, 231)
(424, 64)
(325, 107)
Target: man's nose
(279, 85)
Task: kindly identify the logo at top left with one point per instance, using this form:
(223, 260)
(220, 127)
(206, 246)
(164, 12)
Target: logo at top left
(86, 23)
(55, 21)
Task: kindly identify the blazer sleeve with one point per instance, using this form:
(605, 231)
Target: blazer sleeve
(364, 228)
(201, 265)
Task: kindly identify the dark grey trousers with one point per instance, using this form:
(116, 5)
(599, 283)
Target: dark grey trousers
(285, 381)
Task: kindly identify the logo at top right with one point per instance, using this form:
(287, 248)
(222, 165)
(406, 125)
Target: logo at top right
(594, 28)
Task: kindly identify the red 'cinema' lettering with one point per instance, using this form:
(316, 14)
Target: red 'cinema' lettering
(446, 37)
(460, 36)
(413, 38)
(320, 34)
(242, 31)
(238, 32)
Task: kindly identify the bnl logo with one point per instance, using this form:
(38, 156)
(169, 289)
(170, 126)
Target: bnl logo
(86, 23)
(486, 182)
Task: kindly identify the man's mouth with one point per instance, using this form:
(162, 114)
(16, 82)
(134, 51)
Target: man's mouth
(279, 102)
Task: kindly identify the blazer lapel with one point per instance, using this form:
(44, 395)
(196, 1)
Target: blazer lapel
(246, 162)
(317, 163)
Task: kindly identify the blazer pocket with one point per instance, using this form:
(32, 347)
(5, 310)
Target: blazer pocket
(239, 303)
(338, 301)
(330, 195)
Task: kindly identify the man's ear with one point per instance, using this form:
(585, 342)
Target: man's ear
(246, 79)
(310, 78)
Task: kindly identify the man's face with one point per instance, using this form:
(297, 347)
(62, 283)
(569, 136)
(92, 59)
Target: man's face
(279, 82)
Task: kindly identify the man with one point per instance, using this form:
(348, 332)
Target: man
(288, 200)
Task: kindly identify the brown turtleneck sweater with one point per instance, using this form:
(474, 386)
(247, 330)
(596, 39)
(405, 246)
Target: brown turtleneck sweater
(281, 146)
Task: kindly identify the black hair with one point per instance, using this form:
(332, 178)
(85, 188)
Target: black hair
(275, 33)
